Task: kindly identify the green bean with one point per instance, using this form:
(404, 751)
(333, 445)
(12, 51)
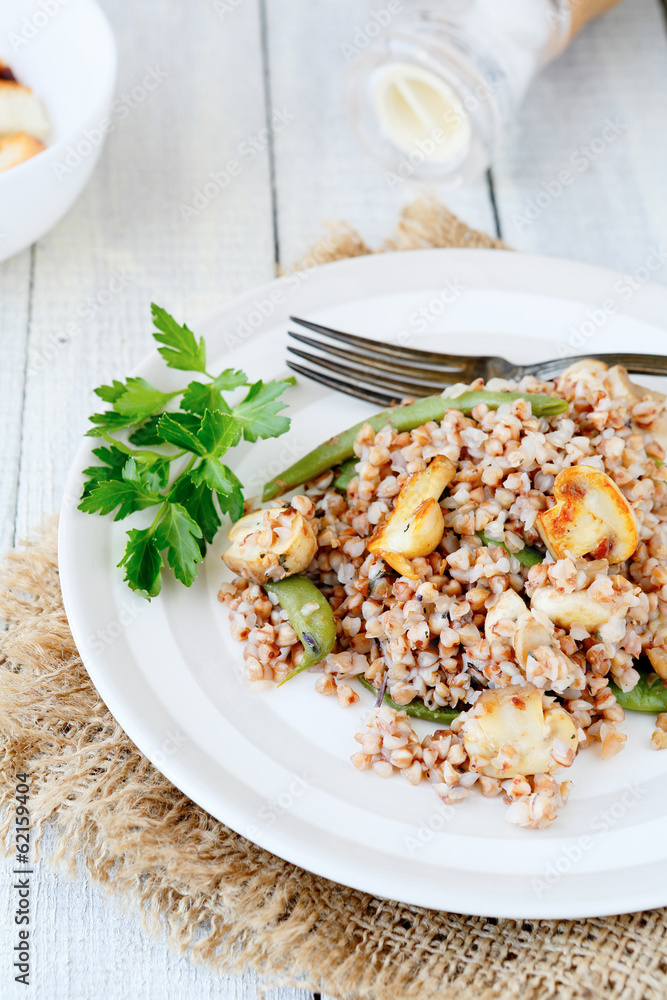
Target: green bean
(337, 449)
(527, 556)
(346, 473)
(417, 709)
(648, 695)
(317, 630)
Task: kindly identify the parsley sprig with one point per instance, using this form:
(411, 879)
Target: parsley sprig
(185, 480)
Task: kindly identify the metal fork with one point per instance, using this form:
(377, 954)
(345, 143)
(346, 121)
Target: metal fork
(404, 371)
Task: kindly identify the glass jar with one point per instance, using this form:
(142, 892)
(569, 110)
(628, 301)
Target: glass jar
(431, 98)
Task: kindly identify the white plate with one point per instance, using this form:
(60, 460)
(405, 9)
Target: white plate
(275, 766)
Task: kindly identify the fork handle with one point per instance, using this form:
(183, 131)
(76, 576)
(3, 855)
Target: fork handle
(646, 364)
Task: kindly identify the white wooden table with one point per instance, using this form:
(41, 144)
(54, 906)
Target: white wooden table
(228, 65)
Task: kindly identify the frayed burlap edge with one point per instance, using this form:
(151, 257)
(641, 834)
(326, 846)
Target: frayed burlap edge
(422, 224)
(222, 899)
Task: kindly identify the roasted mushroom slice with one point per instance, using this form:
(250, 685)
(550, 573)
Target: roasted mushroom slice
(620, 386)
(591, 515)
(510, 607)
(415, 525)
(509, 732)
(270, 544)
(567, 610)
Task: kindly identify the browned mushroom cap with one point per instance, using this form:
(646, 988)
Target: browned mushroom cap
(591, 515)
(415, 525)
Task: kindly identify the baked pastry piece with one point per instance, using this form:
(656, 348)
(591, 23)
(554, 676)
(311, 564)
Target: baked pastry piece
(16, 148)
(21, 111)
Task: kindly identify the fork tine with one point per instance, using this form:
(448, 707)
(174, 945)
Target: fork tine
(431, 376)
(393, 379)
(389, 350)
(398, 385)
(358, 391)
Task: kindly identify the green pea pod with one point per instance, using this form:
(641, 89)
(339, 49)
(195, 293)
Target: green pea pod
(417, 709)
(648, 695)
(527, 556)
(338, 449)
(317, 630)
(346, 473)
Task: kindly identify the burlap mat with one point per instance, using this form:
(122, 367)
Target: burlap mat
(226, 901)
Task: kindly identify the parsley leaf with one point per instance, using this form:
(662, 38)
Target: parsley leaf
(230, 497)
(146, 435)
(142, 562)
(110, 393)
(219, 432)
(231, 378)
(175, 433)
(220, 478)
(127, 496)
(113, 461)
(197, 498)
(179, 534)
(140, 399)
(108, 422)
(200, 397)
(152, 473)
(180, 349)
(210, 471)
(191, 493)
(258, 412)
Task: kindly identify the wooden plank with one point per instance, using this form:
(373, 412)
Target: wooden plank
(598, 113)
(14, 296)
(321, 172)
(84, 944)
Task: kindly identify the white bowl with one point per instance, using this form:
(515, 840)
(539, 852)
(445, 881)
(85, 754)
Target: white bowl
(65, 51)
